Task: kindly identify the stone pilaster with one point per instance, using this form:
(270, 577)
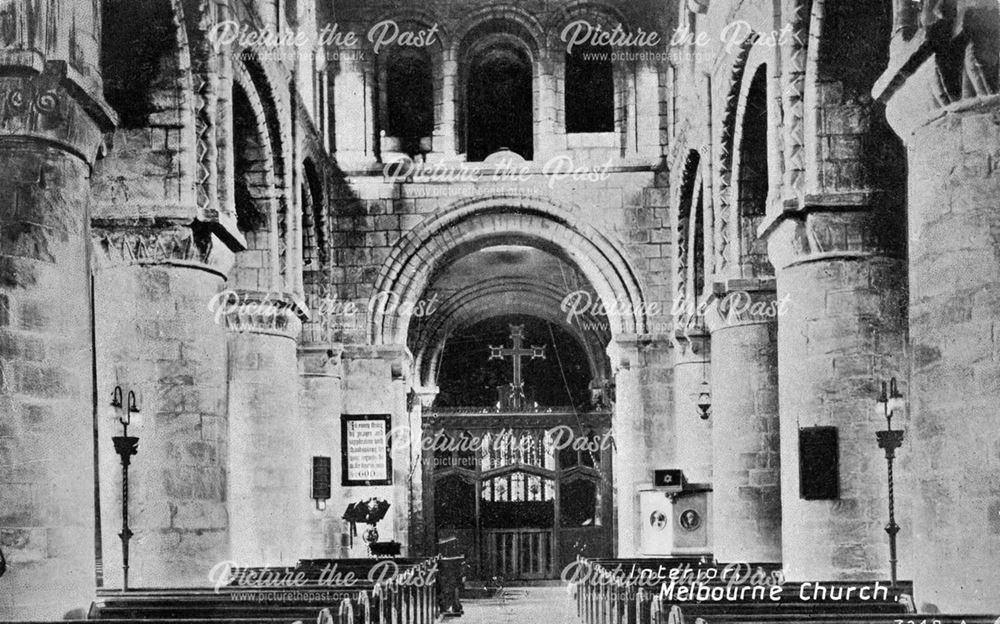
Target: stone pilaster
(423, 537)
(647, 121)
(743, 320)
(840, 273)
(419, 400)
(692, 367)
(320, 398)
(158, 333)
(546, 140)
(445, 141)
(376, 381)
(269, 473)
(51, 127)
(642, 426)
(948, 114)
(353, 93)
(631, 470)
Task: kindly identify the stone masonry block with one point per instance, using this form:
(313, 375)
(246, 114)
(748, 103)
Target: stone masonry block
(980, 133)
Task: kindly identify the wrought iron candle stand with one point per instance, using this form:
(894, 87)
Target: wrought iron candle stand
(126, 446)
(889, 440)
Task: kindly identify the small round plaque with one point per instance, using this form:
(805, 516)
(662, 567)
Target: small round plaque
(690, 520)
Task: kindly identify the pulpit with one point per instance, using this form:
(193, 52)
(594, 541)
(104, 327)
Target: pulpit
(676, 518)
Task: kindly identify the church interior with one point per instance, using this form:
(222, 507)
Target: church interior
(624, 298)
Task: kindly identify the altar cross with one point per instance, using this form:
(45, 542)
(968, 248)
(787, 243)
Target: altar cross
(516, 352)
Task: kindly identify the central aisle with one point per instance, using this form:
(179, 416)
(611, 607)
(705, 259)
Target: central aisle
(522, 605)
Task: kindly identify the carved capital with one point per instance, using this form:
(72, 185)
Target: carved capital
(737, 303)
(625, 353)
(399, 358)
(950, 63)
(119, 242)
(824, 232)
(320, 361)
(53, 108)
(275, 314)
(426, 395)
(693, 347)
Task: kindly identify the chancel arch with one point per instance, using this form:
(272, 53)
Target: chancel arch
(505, 295)
(506, 263)
(480, 223)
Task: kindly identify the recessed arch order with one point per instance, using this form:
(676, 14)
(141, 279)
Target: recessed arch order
(474, 224)
(497, 297)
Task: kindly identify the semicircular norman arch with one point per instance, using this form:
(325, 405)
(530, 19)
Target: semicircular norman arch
(476, 224)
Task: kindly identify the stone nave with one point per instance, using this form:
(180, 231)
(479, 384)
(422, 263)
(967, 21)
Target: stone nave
(277, 237)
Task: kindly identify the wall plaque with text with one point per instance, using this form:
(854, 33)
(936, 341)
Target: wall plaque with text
(365, 449)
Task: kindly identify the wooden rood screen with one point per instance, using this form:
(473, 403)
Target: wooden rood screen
(519, 494)
(519, 553)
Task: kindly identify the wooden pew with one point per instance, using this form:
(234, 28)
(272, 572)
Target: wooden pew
(615, 593)
(612, 597)
(407, 595)
(608, 588)
(693, 615)
(398, 590)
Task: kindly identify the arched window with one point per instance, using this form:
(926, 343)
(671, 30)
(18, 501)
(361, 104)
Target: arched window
(590, 90)
(753, 177)
(499, 102)
(253, 189)
(409, 99)
(254, 192)
(690, 274)
(313, 221)
(697, 251)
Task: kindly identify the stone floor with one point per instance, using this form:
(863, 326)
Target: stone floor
(521, 605)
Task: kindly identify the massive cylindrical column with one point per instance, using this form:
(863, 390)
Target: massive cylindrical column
(954, 338)
(845, 289)
(745, 440)
(955, 383)
(952, 140)
(160, 334)
(269, 493)
(49, 136)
